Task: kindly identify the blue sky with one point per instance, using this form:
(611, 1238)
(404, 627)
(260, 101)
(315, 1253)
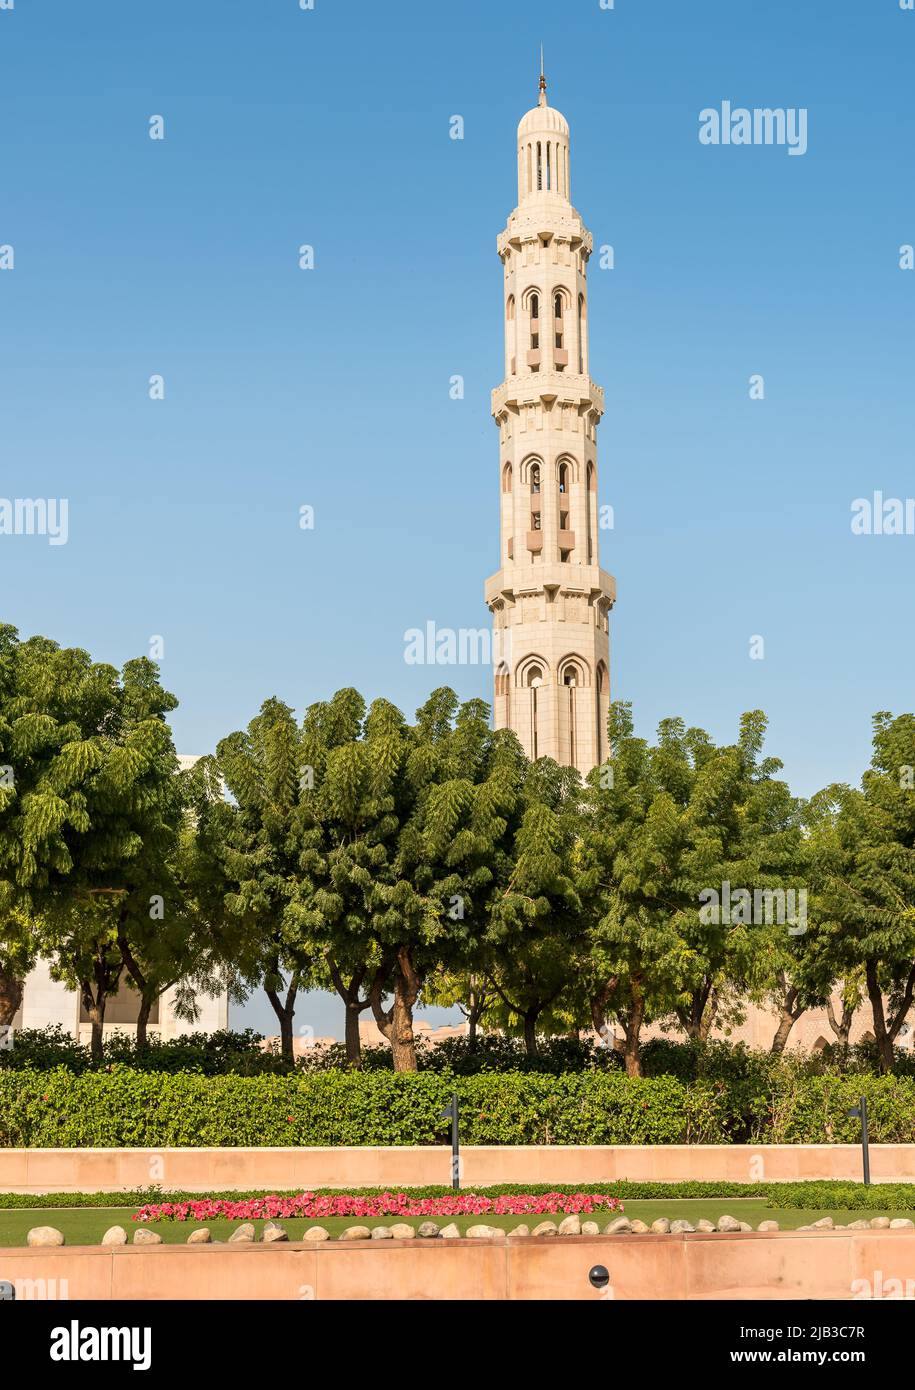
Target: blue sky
(330, 387)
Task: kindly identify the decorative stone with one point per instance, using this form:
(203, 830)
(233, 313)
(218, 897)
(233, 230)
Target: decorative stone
(901, 1223)
(590, 1228)
(768, 1226)
(638, 1228)
(745, 1226)
(521, 1230)
(879, 1223)
(803, 1228)
(115, 1235)
(728, 1223)
(450, 1232)
(661, 1227)
(681, 1227)
(316, 1233)
(244, 1234)
(825, 1223)
(356, 1233)
(381, 1233)
(570, 1226)
(428, 1230)
(273, 1233)
(45, 1235)
(862, 1225)
(546, 1228)
(479, 1232)
(201, 1237)
(705, 1227)
(619, 1226)
(401, 1231)
(145, 1237)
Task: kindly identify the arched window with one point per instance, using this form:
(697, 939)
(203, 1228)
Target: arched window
(535, 477)
(533, 680)
(563, 477)
(581, 332)
(590, 509)
(507, 478)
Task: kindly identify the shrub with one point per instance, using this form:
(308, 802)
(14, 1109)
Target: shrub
(137, 1109)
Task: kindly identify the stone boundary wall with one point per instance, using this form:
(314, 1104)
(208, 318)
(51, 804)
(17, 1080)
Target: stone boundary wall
(216, 1170)
(841, 1265)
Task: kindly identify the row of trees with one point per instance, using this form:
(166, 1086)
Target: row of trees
(398, 863)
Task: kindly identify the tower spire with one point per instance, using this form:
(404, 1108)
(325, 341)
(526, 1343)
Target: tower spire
(542, 98)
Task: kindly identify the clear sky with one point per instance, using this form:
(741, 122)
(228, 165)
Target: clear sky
(329, 387)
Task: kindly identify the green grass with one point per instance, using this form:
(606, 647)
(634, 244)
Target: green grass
(86, 1226)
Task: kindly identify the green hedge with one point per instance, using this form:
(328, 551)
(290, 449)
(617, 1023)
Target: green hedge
(126, 1108)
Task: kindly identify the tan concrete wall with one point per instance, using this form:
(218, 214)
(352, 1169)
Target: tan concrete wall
(212, 1170)
(791, 1264)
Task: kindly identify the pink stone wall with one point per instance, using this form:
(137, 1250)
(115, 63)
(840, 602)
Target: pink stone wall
(211, 1170)
(790, 1264)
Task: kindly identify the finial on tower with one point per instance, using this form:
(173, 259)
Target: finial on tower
(542, 98)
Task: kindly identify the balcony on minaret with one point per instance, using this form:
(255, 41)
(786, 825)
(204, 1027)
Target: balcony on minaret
(566, 540)
(535, 542)
(560, 357)
(533, 357)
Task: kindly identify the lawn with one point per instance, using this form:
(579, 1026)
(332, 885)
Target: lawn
(87, 1225)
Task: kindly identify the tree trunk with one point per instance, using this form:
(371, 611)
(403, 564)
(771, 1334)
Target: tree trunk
(476, 1003)
(789, 1011)
(352, 1038)
(396, 1023)
(786, 1021)
(348, 991)
(598, 1004)
(840, 1026)
(881, 1036)
(148, 994)
(146, 1007)
(632, 1027)
(529, 1019)
(95, 1008)
(95, 994)
(695, 1022)
(285, 1012)
(10, 998)
(886, 1033)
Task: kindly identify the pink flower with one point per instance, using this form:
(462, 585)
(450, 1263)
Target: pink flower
(312, 1206)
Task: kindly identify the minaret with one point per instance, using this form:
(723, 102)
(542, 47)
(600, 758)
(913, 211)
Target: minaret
(550, 599)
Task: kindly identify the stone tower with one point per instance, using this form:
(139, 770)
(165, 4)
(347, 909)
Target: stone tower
(550, 599)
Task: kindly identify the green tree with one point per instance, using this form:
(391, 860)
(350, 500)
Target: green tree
(536, 921)
(243, 861)
(116, 904)
(864, 857)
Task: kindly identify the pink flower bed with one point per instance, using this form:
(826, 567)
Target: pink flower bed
(313, 1206)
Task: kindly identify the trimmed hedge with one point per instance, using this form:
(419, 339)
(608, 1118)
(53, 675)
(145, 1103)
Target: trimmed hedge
(131, 1109)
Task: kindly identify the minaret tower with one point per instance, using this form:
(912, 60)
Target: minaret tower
(550, 599)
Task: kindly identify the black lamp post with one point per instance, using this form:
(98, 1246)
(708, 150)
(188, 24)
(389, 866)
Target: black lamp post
(450, 1112)
(859, 1112)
